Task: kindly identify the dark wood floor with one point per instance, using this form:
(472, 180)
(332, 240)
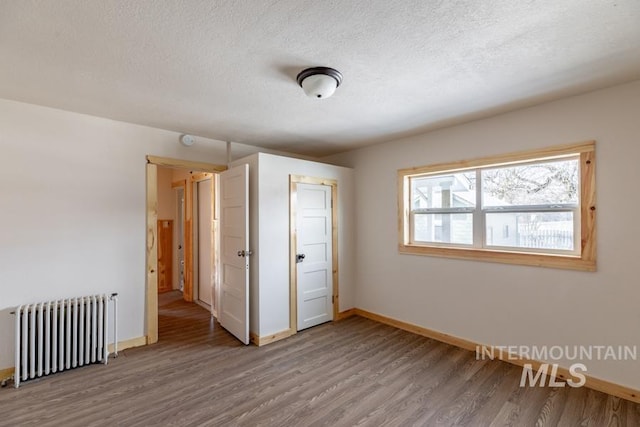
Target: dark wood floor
(349, 373)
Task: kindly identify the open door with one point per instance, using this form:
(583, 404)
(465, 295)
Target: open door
(234, 247)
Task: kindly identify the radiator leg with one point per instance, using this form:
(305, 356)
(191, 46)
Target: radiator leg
(114, 297)
(16, 373)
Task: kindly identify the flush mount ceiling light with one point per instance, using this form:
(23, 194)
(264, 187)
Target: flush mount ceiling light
(319, 82)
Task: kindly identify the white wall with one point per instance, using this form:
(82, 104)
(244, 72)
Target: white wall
(270, 307)
(504, 304)
(72, 216)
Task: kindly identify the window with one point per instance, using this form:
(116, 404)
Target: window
(534, 208)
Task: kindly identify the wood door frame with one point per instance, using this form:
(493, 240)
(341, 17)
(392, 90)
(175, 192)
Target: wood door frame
(169, 266)
(187, 291)
(195, 179)
(151, 286)
(294, 180)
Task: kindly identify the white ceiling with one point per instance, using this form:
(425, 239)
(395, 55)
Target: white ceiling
(226, 69)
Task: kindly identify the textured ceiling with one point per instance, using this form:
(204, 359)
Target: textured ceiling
(226, 69)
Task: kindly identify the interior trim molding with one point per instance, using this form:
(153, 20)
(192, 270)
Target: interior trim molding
(6, 373)
(130, 343)
(563, 373)
(346, 314)
(268, 339)
(185, 164)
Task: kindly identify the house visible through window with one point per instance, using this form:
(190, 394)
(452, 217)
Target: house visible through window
(524, 208)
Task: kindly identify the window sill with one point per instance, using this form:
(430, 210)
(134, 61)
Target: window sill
(568, 262)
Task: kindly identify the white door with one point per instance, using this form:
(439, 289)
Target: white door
(205, 242)
(234, 247)
(314, 270)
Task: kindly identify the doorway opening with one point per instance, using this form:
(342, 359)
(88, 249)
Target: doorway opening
(175, 261)
(205, 244)
(187, 234)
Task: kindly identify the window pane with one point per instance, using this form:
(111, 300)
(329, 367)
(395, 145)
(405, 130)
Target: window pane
(532, 184)
(443, 228)
(452, 190)
(546, 230)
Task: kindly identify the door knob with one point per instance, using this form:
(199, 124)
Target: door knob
(245, 253)
(300, 258)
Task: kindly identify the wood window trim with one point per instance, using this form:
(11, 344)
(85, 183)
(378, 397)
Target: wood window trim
(586, 261)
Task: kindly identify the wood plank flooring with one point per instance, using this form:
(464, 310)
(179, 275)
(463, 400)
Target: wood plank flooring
(356, 372)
